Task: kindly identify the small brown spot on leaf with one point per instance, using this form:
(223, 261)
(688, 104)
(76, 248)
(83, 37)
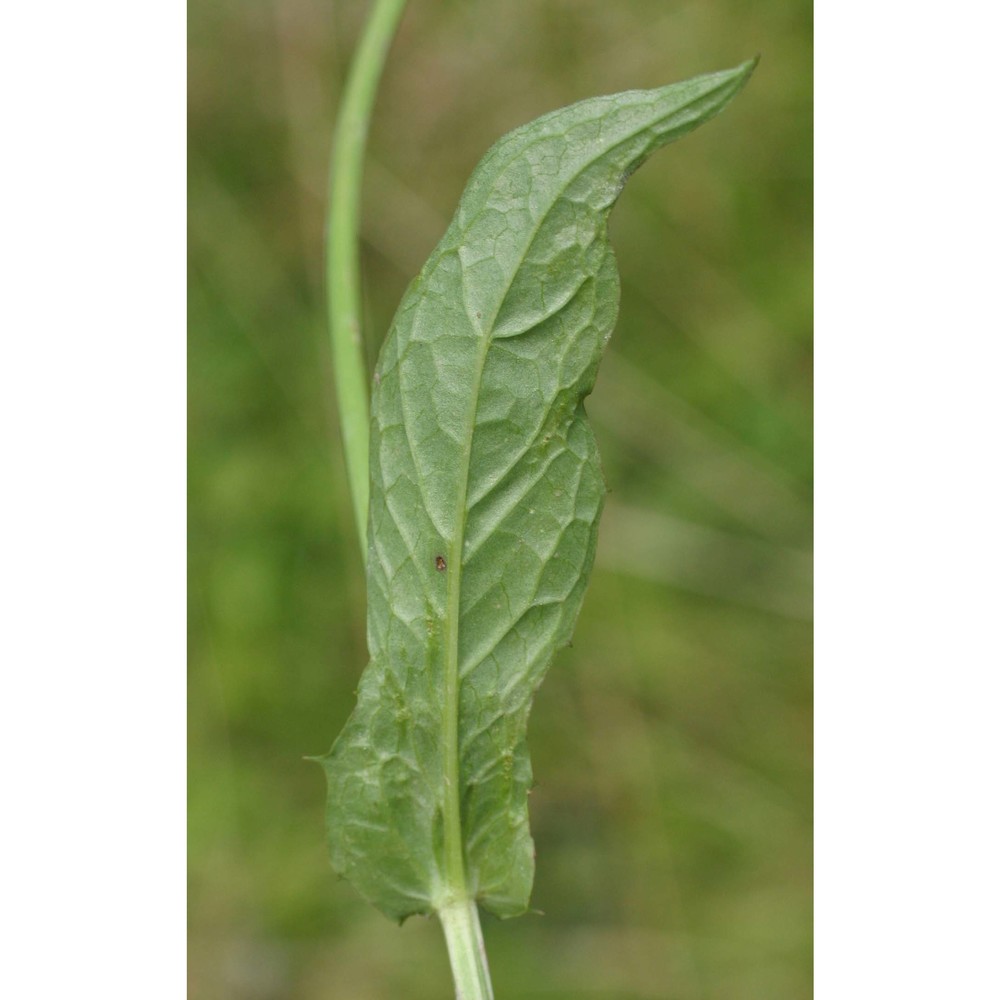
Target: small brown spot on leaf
(439, 564)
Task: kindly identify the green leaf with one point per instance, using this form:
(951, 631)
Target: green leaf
(485, 494)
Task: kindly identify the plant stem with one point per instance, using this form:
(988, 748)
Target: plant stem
(466, 951)
(350, 369)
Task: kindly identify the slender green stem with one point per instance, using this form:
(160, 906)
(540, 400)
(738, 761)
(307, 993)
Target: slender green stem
(466, 951)
(343, 271)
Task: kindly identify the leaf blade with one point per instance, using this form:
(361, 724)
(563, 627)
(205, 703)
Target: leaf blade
(486, 492)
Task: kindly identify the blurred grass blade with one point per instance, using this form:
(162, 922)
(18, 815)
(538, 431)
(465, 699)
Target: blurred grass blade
(678, 441)
(650, 545)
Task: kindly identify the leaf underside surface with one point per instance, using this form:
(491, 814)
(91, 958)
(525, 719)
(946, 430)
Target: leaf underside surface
(486, 490)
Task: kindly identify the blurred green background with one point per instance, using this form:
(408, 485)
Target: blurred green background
(672, 742)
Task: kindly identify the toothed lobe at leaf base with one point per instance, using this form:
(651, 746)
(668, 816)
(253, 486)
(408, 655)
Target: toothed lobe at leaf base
(485, 495)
